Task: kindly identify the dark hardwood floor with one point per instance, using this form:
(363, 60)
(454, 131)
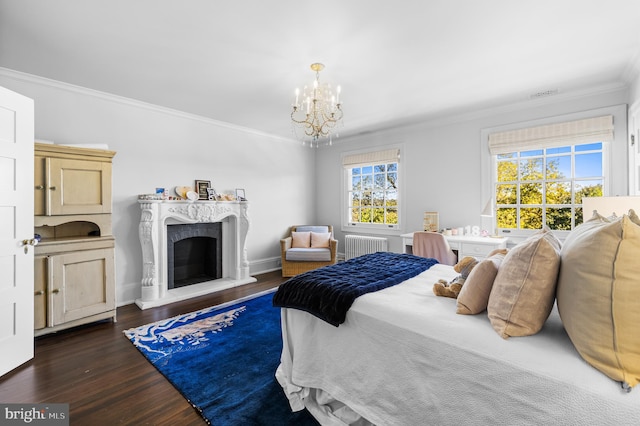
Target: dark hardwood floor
(103, 377)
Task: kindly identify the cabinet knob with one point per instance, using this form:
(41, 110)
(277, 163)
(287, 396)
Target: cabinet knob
(53, 188)
(55, 291)
(39, 187)
(39, 293)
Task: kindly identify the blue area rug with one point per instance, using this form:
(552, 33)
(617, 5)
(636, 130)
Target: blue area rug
(223, 360)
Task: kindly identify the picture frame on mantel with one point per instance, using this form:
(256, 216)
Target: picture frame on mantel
(201, 188)
(213, 195)
(240, 195)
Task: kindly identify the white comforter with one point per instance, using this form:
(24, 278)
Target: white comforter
(404, 357)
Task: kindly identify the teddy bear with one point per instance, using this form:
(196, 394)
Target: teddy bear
(452, 289)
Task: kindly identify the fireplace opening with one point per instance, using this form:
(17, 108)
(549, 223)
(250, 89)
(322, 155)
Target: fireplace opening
(194, 253)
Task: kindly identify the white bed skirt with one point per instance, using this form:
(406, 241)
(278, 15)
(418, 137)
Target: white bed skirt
(404, 357)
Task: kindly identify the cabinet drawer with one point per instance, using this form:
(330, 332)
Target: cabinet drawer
(471, 249)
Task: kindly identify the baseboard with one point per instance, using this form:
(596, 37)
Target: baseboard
(127, 294)
(262, 266)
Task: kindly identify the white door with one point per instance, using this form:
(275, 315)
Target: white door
(634, 151)
(16, 230)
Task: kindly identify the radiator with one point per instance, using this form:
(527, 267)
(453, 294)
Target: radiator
(357, 245)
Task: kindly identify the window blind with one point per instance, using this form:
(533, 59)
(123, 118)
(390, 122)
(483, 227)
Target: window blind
(589, 130)
(370, 158)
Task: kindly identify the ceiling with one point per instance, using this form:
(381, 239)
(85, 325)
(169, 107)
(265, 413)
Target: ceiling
(240, 61)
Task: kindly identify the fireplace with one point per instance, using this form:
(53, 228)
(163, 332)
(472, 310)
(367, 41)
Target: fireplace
(194, 253)
(207, 239)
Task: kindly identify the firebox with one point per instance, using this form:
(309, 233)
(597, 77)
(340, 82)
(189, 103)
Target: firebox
(194, 253)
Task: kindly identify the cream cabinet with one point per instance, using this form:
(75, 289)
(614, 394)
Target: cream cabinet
(74, 274)
(74, 284)
(71, 180)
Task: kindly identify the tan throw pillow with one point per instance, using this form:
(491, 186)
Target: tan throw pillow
(301, 239)
(320, 239)
(524, 290)
(599, 295)
(474, 295)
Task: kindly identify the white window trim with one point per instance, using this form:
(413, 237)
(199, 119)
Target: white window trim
(614, 158)
(372, 228)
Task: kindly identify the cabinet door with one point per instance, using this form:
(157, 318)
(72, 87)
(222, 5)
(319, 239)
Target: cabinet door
(82, 284)
(39, 189)
(78, 186)
(41, 278)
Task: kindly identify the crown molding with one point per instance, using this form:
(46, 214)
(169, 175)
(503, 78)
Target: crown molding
(442, 118)
(47, 82)
(457, 116)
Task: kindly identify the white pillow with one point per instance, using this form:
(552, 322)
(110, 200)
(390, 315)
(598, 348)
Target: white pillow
(320, 239)
(301, 239)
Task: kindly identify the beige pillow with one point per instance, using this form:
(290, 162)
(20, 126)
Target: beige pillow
(474, 295)
(599, 295)
(301, 239)
(524, 290)
(320, 239)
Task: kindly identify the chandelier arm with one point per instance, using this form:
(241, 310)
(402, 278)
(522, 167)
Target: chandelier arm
(305, 121)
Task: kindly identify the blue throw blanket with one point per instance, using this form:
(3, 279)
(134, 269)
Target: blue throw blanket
(329, 292)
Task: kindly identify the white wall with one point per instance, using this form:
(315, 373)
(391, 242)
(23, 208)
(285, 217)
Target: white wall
(441, 160)
(634, 131)
(162, 148)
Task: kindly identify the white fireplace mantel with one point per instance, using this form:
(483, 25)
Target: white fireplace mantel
(157, 214)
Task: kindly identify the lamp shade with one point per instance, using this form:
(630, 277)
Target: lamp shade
(488, 209)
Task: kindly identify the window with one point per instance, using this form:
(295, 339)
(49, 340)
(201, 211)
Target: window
(372, 190)
(542, 173)
(547, 185)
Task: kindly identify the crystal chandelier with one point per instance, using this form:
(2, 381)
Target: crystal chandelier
(316, 112)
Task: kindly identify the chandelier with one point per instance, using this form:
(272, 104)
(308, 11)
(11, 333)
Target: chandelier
(316, 111)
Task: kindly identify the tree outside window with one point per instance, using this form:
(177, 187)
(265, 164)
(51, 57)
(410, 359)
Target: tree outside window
(373, 194)
(546, 186)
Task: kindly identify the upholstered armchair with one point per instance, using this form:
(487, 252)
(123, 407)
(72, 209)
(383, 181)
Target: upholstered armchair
(306, 248)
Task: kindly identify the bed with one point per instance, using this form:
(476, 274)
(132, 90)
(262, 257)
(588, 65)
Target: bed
(403, 356)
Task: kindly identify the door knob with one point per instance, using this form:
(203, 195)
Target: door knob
(30, 242)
